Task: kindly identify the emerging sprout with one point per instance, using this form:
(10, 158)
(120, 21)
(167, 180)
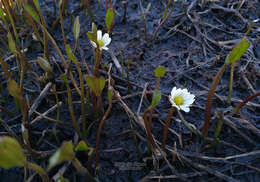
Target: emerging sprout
(181, 99)
(103, 41)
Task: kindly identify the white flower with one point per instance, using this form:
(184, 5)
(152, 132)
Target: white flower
(102, 41)
(181, 99)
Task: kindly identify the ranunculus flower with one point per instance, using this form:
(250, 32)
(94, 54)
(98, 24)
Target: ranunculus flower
(103, 41)
(181, 99)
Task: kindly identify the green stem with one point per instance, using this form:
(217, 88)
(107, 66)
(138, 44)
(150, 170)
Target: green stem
(82, 170)
(98, 56)
(74, 122)
(210, 100)
(231, 82)
(39, 170)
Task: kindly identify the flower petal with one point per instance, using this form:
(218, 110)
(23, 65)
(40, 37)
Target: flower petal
(99, 35)
(185, 109)
(106, 38)
(93, 44)
(105, 48)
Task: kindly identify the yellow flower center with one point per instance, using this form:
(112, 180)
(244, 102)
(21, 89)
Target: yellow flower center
(100, 43)
(178, 100)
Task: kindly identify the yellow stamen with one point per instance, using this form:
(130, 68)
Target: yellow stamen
(178, 100)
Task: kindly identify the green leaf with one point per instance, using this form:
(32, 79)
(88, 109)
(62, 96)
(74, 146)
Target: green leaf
(237, 52)
(160, 71)
(64, 77)
(95, 84)
(11, 154)
(5, 68)
(44, 64)
(156, 98)
(109, 95)
(31, 11)
(2, 14)
(36, 4)
(76, 28)
(11, 43)
(93, 34)
(71, 55)
(13, 89)
(109, 18)
(59, 4)
(65, 153)
(82, 146)
(147, 8)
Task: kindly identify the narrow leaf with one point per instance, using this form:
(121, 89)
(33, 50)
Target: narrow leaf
(13, 88)
(71, 55)
(109, 18)
(237, 52)
(65, 153)
(31, 11)
(36, 4)
(156, 98)
(147, 8)
(44, 64)
(11, 43)
(76, 28)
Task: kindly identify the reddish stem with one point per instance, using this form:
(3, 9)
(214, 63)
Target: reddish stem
(210, 99)
(148, 129)
(99, 131)
(246, 100)
(166, 127)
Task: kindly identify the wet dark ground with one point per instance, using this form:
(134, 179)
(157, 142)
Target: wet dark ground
(191, 45)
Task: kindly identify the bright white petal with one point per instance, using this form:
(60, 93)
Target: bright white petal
(173, 91)
(105, 38)
(93, 44)
(188, 98)
(99, 35)
(107, 41)
(105, 48)
(186, 109)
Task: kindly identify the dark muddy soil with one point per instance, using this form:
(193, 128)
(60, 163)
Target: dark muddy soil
(192, 45)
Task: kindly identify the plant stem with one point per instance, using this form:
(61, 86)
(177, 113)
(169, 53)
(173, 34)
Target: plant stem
(74, 122)
(99, 131)
(148, 129)
(97, 61)
(166, 127)
(157, 83)
(7, 7)
(210, 99)
(245, 101)
(162, 22)
(231, 82)
(39, 170)
(82, 170)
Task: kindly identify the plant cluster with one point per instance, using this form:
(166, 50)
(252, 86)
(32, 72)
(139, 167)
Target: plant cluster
(95, 88)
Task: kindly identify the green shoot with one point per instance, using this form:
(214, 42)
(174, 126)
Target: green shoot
(109, 19)
(12, 155)
(232, 57)
(73, 58)
(76, 32)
